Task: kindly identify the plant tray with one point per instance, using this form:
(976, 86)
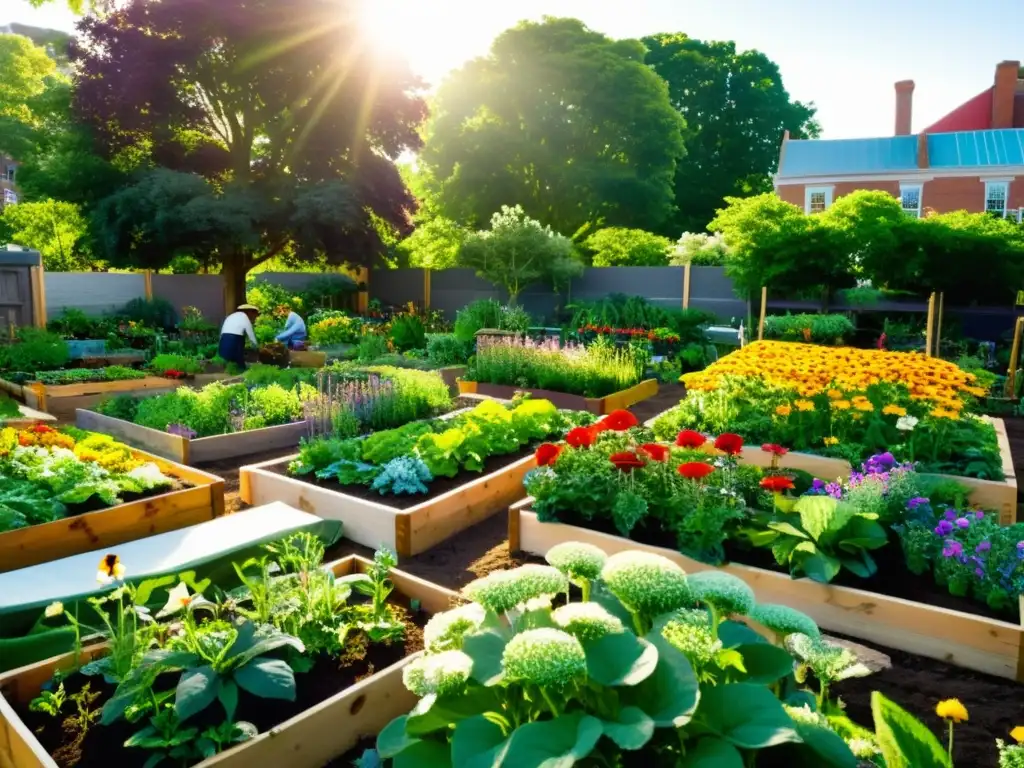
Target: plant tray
(408, 531)
(198, 450)
(599, 405)
(963, 639)
(108, 527)
(308, 740)
(998, 495)
(61, 400)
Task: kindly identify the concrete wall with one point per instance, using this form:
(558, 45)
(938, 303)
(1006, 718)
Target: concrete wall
(95, 293)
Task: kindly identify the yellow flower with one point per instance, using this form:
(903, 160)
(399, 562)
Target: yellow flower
(110, 569)
(835, 394)
(1017, 734)
(864, 405)
(942, 413)
(894, 410)
(783, 410)
(831, 441)
(841, 405)
(56, 608)
(804, 405)
(858, 416)
(952, 709)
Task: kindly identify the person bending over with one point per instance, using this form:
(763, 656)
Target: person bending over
(236, 327)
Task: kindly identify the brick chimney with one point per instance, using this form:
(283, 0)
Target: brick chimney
(1003, 94)
(904, 106)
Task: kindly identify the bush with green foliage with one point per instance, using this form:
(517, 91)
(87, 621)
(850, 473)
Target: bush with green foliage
(328, 328)
(835, 330)
(74, 324)
(151, 313)
(444, 349)
(622, 247)
(35, 350)
(84, 375)
(407, 332)
(491, 314)
(187, 364)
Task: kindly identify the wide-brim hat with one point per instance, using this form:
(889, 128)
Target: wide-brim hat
(247, 308)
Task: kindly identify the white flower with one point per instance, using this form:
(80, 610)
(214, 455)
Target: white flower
(906, 423)
(55, 608)
(177, 599)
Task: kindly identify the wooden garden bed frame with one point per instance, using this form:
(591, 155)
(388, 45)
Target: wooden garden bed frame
(599, 405)
(998, 495)
(198, 450)
(109, 527)
(61, 400)
(308, 740)
(374, 523)
(29, 417)
(962, 639)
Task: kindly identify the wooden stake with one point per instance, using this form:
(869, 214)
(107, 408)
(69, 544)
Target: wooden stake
(686, 286)
(1011, 373)
(147, 284)
(930, 327)
(764, 309)
(426, 289)
(938, 325)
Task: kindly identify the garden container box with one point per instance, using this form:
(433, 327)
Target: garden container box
(599, 405)
(61, 400)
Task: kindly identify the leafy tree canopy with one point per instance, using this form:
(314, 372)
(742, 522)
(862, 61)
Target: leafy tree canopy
(253, 129)
(699, 249)
(736, 110)
(569, 123)
(517, 251)
(620, 247)
(55, 229)
(434, 244)
(28, 76)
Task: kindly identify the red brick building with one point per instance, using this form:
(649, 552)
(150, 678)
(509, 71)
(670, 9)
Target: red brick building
(972, 159)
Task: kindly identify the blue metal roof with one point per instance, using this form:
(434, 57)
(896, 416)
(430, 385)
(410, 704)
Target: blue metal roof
(970, 149)
(829, 157)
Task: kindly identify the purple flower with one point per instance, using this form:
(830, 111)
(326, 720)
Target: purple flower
(963, 522)
(979, 573)
(818, 484)
(984, 546)
(979, 514)
(952, 549)
(944, 528)
(917, 501)
(951, 514)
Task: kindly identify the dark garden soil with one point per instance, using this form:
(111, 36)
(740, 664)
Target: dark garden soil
(668, 396)
(102, 745)
(95, 503)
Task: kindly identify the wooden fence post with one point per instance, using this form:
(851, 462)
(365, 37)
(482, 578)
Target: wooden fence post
(764, 309)
(147, 283)
(37, 281)
(929, 333)
(363, 297)
(426, 289)
(686, 286)
(938, 325)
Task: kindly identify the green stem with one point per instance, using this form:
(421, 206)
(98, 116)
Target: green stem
(585, 587)
(951, 741)
(638, 624)
(550, 703)
(715, 619)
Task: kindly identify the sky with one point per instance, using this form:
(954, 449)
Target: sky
(843, 55)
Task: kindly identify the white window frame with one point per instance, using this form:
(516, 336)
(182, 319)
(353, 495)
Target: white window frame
(907, 187)
(992, 184)
(810, 191)
(10, 197)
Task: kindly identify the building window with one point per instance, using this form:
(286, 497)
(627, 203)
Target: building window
(910, 199)
(10, 198)
(817, 199)
(9, 175)
(996, 193)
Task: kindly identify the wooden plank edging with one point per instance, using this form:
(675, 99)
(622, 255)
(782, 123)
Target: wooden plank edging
(966, 640)
(597, 405)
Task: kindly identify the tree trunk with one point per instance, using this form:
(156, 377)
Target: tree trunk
(234, 270)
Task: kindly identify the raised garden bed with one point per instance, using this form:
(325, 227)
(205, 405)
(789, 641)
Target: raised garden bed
(599, 405)
(203, 499)
(62, 400)
(307, 358)
(26, 418)
(327, 727)
(408, 525)
(197, 450)
(965, 639)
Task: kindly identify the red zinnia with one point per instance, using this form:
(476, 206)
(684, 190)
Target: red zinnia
(774, 449)
(655, 451)
(546, 454)
(695, 470)
(627, 461)
(777, 483)
(580, 437)
(688, 438)
(619, 420)
(729, 443)
(42, 429)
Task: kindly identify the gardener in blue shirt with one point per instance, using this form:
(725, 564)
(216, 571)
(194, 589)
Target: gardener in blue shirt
(294, 334)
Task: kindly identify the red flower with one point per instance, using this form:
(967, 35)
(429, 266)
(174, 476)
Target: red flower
(619, 420)
(655, 451)
(775, 449)
(777, 483)
(580, 437)
(688, 438)
(695, 470)
(546, 454)
(42, 429)
(627, 461)
(729, 443)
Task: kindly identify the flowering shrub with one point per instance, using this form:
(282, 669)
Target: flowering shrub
(331, 329)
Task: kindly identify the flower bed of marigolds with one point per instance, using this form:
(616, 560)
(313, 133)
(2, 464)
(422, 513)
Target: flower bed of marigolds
(845, 403)
(189, 669)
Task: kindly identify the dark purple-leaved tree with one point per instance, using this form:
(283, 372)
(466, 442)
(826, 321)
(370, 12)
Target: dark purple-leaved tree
(253, 128)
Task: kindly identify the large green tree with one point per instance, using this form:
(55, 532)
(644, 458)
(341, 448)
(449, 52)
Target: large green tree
(736, 110)
(561, 120)
(26, 73)
(56, 229)
(255, 128)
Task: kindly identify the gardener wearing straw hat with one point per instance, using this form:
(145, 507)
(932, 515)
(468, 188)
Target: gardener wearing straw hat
(236, 327)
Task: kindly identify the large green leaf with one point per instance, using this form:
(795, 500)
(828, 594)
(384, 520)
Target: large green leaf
(815, 563)
(788, 528)
(631, 730)
(822, 516)
(904, 740)
(669, 696)
(862, 533)
(485, 648)
(394, 738)
(267, 678)
(424, 754)
(746, 714)
(734, 633)
(600, 594)
(557, 743)
(196, 691)
(228, 695)
(435, 713)
(712, 753)
(829, 747)
(478, 743)
(862, 564)
(764, 663)
(620, 659)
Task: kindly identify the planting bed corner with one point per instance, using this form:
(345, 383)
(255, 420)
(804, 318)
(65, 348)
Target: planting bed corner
(202, 500)
(61, 400)
(599, 405)
(372, 522)
(198, 450)
(308, 740)
(966, 640)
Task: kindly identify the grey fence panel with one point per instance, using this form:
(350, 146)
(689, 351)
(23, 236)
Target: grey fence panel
(712, 291)
(397, 286)
(297, 281)
(659, 285)
(205, 292)
(452, 289)
(95, 293)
